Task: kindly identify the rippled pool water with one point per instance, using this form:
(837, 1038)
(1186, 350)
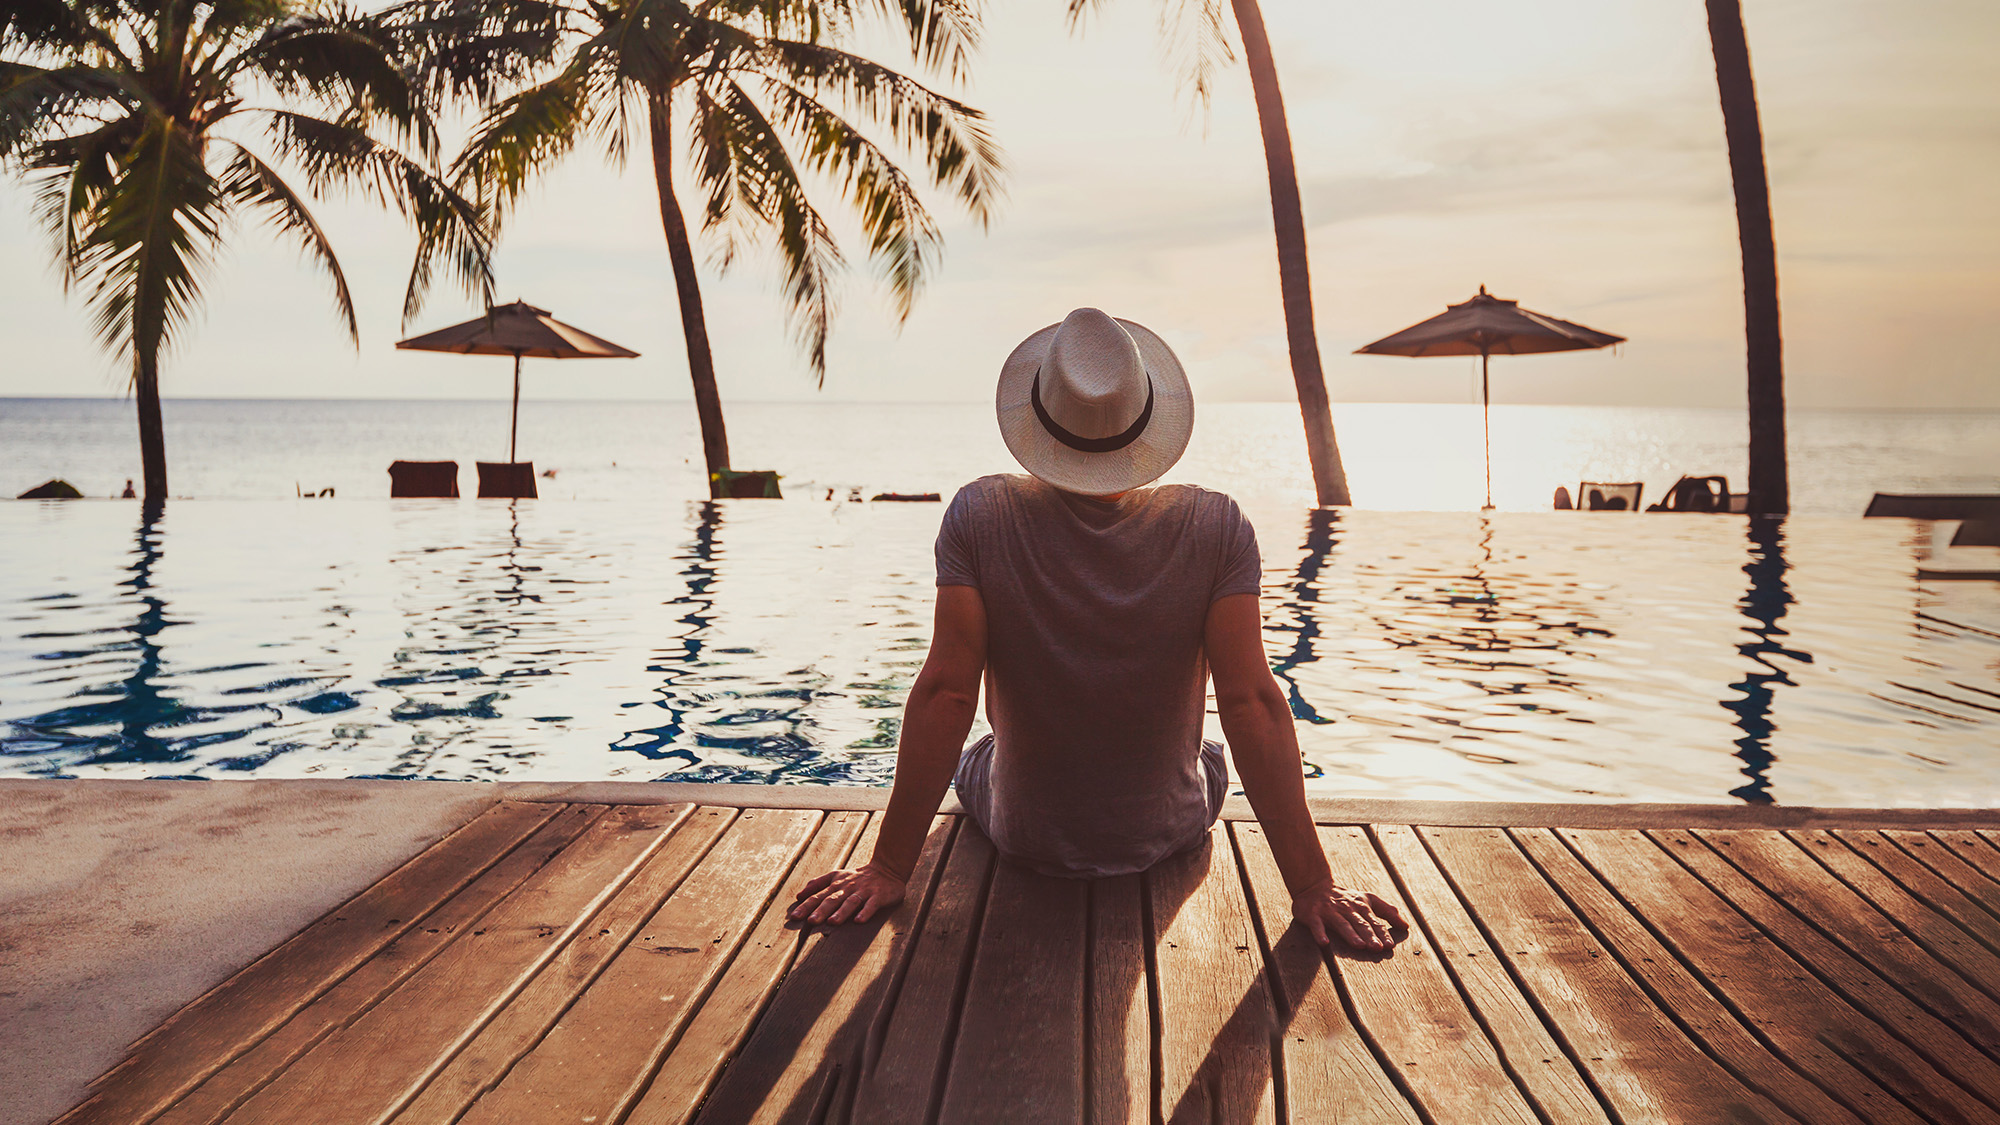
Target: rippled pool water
(1529, 656)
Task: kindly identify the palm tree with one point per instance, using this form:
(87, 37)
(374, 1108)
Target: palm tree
(138, 126)
(1198, 36)
(755, 96)
(1770, 488)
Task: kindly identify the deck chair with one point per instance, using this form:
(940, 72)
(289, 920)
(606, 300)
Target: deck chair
(1980, 514)
(749, 483)
(1697, 494)
(423, 479)
(1597, 496)
(507, 480)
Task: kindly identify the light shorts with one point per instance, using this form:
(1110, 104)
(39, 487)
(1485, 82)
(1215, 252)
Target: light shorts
(975, 789)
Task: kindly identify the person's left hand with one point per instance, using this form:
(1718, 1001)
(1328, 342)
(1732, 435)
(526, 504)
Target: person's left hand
(1364, 920)
(847, 896)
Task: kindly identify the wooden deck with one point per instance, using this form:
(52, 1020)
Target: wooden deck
(591, 963)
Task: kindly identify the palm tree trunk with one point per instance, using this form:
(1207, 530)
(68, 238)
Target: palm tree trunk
(1288, 220)
(694, 326)
(1770, 489)
(152, 437)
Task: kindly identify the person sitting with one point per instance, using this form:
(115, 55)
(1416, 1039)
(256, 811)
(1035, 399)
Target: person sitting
(1096, 610)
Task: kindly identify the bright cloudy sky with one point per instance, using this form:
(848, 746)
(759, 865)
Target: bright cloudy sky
(1567, 153)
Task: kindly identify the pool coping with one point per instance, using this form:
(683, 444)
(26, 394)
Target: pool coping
(1325, 810)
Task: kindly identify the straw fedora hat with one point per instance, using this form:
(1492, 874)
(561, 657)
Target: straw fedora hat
(1095, 405)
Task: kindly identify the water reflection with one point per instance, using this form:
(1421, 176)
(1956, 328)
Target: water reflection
(119, 723)
(1321, 526)
(675, 667)
(1545, 656)
(141, 704)
(1764, 603)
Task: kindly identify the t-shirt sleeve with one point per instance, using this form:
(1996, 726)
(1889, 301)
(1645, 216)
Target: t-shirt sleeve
(1241, 570)
(957, 551)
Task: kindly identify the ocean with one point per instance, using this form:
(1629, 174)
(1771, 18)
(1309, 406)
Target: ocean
(1399, 457)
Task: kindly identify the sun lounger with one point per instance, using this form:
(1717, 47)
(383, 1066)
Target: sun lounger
(435, 479)
(507, 480)
(1979, 513)
(749, 483)
(1597, 496)
(1702, 494)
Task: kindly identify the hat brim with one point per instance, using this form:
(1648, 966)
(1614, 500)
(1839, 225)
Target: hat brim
(1149, 456)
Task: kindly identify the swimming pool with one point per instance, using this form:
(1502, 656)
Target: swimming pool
(1514, 656)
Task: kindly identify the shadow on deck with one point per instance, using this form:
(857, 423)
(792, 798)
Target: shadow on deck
(607, 963)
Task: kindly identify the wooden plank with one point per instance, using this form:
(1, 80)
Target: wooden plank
(1934, 928)
(1537, 1062)
(726, 1017)
(1019, 1054)
(1786, 1001)
(1641, 1062)
(368, 1069)
(903, 1066)
(1931, 886)
(249, 1072)
(1869, 984)
(1215, 1012)
(598, 1058)
(515, 1029)
(1934, 854)
(1119, 1059)
(1835, 909)
(1330, 1073)
(1976, 849)
(229, 1018)
(798, 1064)
(1414, 1013)
(1768, 1069)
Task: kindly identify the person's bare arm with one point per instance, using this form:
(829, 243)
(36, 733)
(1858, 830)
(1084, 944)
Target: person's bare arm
(935, 721)
(1258, 724)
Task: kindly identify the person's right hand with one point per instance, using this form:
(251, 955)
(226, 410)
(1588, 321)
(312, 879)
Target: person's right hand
(1361, 919)
(842, 896)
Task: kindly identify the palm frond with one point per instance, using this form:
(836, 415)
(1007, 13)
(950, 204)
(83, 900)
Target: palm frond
(943, 34)
(256, 185)
(451, 230)
(64, 27)
(149, 240)
(38, 102)
(347, 64)
(522, 136)
(76, 172)
(473, 49)
(951, 136)
(766, 178)
(903, 239)
(1194, 37)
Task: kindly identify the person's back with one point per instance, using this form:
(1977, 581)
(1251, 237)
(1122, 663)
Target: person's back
(1096, 681)
(1095, 610)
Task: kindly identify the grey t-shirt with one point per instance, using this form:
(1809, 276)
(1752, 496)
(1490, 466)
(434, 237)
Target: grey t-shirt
(1096, 678)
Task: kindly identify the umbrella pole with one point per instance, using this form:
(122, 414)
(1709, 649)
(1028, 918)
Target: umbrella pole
(1486, 422)
(514, 423)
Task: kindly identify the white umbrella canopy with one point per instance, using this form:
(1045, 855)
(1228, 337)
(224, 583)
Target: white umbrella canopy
(519, 329)
(1486, 326)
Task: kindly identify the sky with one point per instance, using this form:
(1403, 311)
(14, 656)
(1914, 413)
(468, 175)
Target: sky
(1565, 153)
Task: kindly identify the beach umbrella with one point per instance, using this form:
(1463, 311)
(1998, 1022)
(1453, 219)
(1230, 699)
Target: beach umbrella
(1487, 326)
(519, 329)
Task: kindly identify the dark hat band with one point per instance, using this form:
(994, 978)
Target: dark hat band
(1092, 445)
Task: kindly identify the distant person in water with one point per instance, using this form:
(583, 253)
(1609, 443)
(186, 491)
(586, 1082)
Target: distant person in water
(1096, 610)
(128, 494)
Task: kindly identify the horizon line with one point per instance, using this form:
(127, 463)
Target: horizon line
(981, 402)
